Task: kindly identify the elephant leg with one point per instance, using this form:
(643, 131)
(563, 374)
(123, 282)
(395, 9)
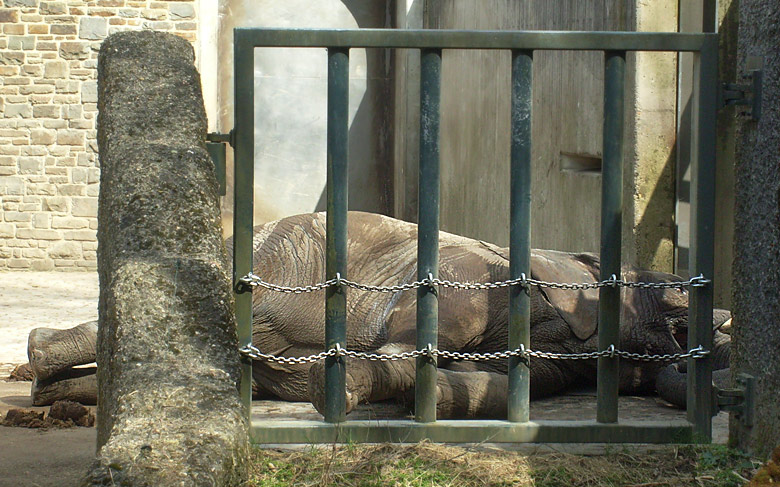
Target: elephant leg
(52, 351)
(367, 381)
(285, 381)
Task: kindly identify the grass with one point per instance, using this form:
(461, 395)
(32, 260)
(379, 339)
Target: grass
(427, 464)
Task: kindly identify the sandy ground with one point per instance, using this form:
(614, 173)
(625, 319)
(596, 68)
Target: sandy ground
(42, 299)
(61, 457)
(29, 300)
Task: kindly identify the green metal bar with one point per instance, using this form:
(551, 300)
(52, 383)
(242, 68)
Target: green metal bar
(336, 226)
(611, 231)
(428, 234)
(460, 39)
(702, 236)
(454, 431)
(520, 233)
(243, 204)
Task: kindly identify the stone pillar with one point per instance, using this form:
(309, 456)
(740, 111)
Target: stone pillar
(168, 368)
(756, 309)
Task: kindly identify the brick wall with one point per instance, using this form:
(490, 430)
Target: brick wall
(49, 169)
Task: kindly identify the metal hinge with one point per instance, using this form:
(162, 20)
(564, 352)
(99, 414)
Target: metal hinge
(738, 400)
(215, 144)
(748, 94)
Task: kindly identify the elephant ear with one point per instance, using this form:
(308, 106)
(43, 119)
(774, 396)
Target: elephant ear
(579, 308)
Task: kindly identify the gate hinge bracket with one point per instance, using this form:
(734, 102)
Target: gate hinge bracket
(228, 138)
(215, 145)
(739, 400)
(747, 94)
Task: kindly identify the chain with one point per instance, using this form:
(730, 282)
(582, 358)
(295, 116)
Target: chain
(254, 353)
(251, 280)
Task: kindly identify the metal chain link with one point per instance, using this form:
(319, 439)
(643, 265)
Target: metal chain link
(251, 280)
(254, 353)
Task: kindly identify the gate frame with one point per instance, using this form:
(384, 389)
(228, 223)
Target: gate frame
(517, 428)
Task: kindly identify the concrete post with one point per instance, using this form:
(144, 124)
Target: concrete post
(168, 368)
(756, 307)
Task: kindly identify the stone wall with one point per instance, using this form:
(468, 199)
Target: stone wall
(49, 169)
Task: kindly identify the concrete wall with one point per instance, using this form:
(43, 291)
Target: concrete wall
(49, 170)
(290, 108)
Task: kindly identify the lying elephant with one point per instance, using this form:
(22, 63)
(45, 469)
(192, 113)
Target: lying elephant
(382, 251)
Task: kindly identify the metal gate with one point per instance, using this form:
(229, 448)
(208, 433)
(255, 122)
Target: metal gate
(517, 427)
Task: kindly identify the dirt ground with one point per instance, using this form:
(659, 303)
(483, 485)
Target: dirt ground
(60, 457)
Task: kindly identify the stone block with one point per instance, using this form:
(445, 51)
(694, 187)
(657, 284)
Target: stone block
(7, 15)
(70, 137)
(93, 28)
(42, 220)
(80, 235)
(38, 29)
(71, 189)
(55, 69)
(43, 265)
(7, 230)
(20, 110)
(65, 250)
(78, 175)
(16, 81)
(37, 89)
(38, 234)
(21, 43)
(43, 137)
(11, 58)
(19, 263)
(86, 207)
(12, 186)
(55, 204)
(181, 11)
(67, 222)
(21, 3)
(64, 29)
(53, 8)
(30, 165)
(71, 112)
(17, 216)
(46, 111)
(74, 50)
(89, 92)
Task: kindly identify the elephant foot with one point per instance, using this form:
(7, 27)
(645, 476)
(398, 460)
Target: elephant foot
(78, 385)
(52, 351)
(316, 389)
(53, 356)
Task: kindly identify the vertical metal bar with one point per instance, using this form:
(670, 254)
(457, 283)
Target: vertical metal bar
(520, 233)
(702, 236)
(336, 226)
(611, 230)
(428, 234)
(243, 202)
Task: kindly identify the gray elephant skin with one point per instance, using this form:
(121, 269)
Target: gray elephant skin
(383, 251)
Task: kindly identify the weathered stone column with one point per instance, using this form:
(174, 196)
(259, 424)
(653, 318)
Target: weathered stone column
(756, 309)
(168, 367)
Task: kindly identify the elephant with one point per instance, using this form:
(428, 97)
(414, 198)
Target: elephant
(382, 251)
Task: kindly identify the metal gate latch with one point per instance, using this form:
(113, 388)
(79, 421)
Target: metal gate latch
(746, 94)
(215, 145)
(738, 400)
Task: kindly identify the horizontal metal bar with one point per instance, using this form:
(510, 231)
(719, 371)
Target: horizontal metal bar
(463, 39)
(454, 431)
